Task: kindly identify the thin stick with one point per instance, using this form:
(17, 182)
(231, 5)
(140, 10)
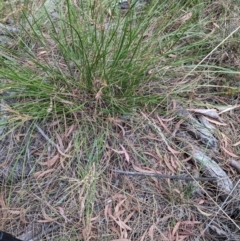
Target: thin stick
(45, 136)
(162, 176)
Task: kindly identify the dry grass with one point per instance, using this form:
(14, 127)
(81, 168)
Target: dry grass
(69, 190)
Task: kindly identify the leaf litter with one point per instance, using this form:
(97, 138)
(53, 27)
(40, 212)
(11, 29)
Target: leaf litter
(137, 207)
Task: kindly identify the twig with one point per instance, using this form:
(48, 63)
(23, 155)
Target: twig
(45, 136)
(61, 152)
(162, 176)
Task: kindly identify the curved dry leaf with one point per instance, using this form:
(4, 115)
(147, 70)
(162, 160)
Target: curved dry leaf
(168, 164)
(122, 128)
(69, 146)
(234, 163)
(61, 211)
(174, 163)
(216, 122)
(151, 231)
(229, 153)
(176, 227)
(47, 218)
(62, 153)
(138, 169)
(41, 174)
(128, 217)
(123, 225)
(125, 153)
(236, 144)
(163, 125)
(204, 213)
(50, 162)
(172, 150)
(122, 152)
(69, 131)
(208, 112)
(117, 208)
(86, 232)
(227, 108)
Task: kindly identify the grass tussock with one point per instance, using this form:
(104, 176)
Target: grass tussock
(88, 89)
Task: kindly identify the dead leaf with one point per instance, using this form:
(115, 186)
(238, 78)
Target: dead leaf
(61, 211)
(163, 125)
(128, 217)
(70, 129)
(86, 232)
(50, 162)
(122, 152)
(212, 113)
(174, 163)
(176, 227)
(177, 126)
(204, 213)
(234, 163)
(227, 108)
(125, 153)
(119, 205)
(216, 122)
(47, 218)
(201, 201)
(41, 174)
(62, 153)
(229, 153)
(120, 223)
(119, 196)
(168, 164)
(151, 231)
(99, 94)
(186, 17)
(121, 127)
(236, 144)
(69, 146)
(143, 170)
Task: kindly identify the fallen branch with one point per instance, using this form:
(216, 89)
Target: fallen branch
(162, 176)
